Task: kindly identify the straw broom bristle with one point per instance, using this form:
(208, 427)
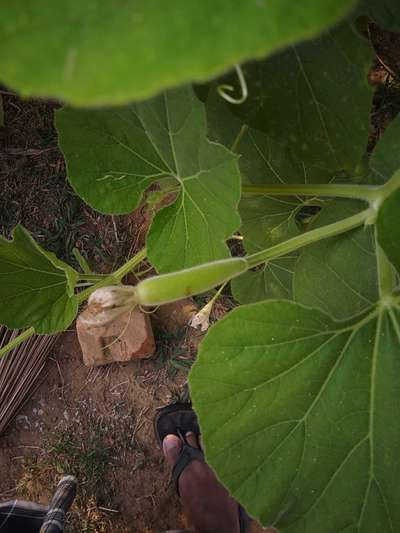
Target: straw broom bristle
(19, 371)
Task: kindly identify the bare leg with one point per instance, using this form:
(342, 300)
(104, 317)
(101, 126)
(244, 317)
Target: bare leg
(206, 503)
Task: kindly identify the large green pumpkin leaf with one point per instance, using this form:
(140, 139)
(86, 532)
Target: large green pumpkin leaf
(194, 229)
(314, 96)
(113, 155)
(388, 227)
(107, 53)
(338, 275)
(300, 415)
(36, 289)
(110, 160)
(302, 106)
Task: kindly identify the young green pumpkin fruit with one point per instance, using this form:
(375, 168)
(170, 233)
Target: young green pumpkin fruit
(107, 303)
(166, 288)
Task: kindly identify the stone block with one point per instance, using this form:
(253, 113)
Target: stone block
(128, 337)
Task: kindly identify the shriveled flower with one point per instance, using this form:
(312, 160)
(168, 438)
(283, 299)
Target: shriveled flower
(107, 303)
(202, 318)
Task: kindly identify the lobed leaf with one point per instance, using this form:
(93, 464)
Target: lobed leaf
(37, 289)
(303, 106)
(110, 160)
(300, 415)
(100, 53)
(315, 96)
(113, 155)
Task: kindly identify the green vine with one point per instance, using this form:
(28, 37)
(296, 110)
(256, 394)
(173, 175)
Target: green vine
(309, 237)
(361, 192)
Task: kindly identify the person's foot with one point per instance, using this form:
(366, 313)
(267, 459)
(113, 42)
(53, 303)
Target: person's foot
(207, 504)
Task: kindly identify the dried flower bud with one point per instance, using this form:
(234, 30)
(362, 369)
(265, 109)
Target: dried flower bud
(107, 303)
(202, 318)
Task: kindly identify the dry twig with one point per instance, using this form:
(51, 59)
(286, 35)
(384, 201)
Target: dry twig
(19, 372)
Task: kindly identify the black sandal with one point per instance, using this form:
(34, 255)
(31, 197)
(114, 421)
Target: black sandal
(179, 419)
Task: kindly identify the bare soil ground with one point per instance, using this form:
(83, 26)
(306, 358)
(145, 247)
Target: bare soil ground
(97, 424)
(106, 412)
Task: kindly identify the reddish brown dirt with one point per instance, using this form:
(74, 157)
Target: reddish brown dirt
(124, 398)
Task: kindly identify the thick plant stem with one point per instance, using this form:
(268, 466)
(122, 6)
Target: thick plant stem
(92, 277)
(239, 137)
(310, 237)
(390, 186)
(361, 192)
(130, 265)
(216, 296)
(17, 341)
(84, 295)
(386, 277)
(115, 277)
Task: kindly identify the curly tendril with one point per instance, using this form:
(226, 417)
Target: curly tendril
(222, 89)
